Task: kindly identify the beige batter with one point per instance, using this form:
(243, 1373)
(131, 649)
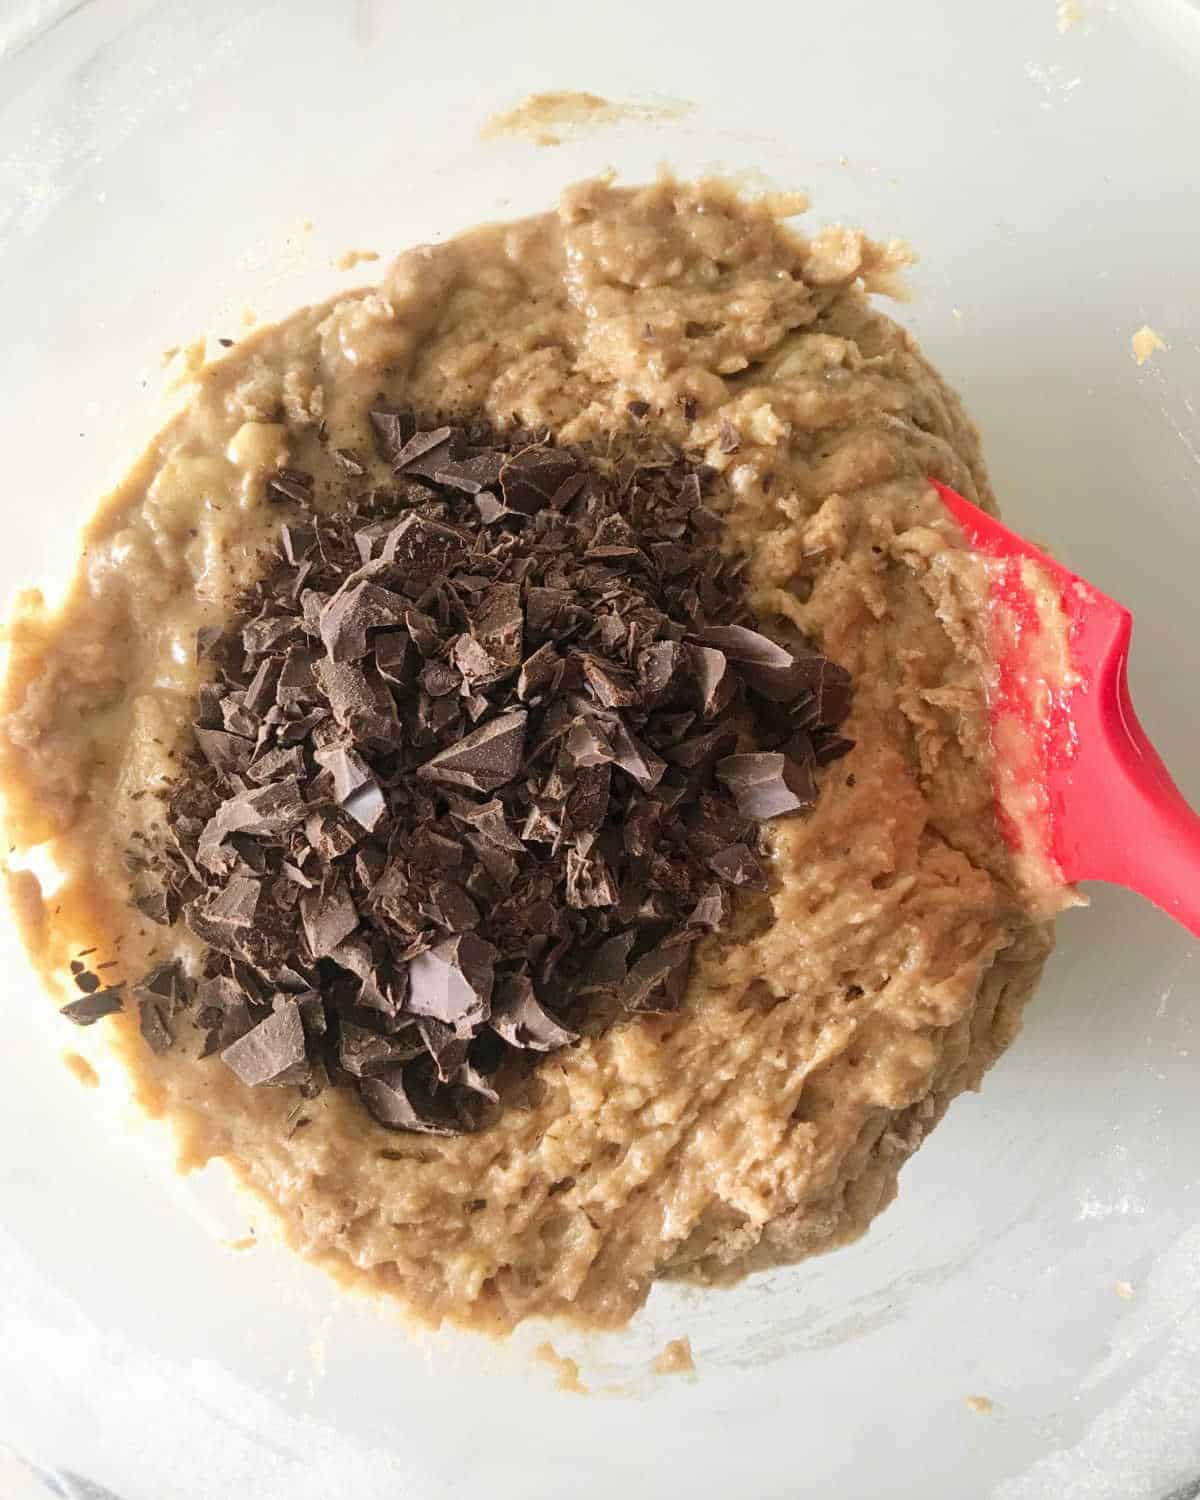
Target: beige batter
(824, 1035)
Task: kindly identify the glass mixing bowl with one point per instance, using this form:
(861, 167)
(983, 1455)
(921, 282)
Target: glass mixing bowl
(162, 165)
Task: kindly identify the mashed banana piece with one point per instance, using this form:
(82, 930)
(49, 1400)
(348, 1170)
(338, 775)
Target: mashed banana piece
(826, 1032)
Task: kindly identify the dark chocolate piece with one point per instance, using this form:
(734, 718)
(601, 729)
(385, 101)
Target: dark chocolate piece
(767, 783)
(452, 982)
(94, 1007)
(271, 1052)
(387, 1095)
(521, 1019)
(485, 759)
(291, 484)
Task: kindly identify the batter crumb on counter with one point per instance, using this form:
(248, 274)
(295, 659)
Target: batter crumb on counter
(983, 1406)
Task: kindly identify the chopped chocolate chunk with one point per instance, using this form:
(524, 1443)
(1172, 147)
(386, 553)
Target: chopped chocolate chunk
(638, 761)
(263, 635)
(711, 910)
(153, 899)
(831, 749)
(392, 430)
(773, 671)
(587, 745)
(473, 665)
(387, 1096)
(349, 462)
(297, 542)
(91, 1008)
(738, 865)
(291, 484)
(589, 880)
(419, 446)
(447, 1049)
(702, 750)
(235, 904)
(485, 759)
(520, 1018)
(260, 695)
(482, 759)
(492, 509)
(394, 656)
(351, 612)
(491, 823)
(439, 678)
(452, 982)
(767, 783)
(715, 684)
(532, 479)
(361, 703)
(471, 475)
(367, 805)
(269, 810)
(609, 964)
(347, 767)
(420, 550)
(499, 624)
(284, 760)
(362, 1051)
(271, 1052)
(659, 667)
(328, 917)
(657, 981)
(167, 983)
(612, 686)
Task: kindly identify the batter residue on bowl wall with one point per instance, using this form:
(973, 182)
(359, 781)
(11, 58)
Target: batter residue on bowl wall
(547, 119)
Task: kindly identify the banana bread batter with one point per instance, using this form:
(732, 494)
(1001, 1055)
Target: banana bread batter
(827, 1029)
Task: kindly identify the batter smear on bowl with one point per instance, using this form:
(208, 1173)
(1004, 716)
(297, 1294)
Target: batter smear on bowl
(516, 753)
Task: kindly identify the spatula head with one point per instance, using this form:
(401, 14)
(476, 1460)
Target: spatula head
(1059, 647)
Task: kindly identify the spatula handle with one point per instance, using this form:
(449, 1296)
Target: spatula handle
(1132, 825)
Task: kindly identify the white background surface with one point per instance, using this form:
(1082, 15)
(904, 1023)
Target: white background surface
(156, 164)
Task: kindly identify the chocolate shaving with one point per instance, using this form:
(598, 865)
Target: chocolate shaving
(481, 761)
(94, 1007)
(392, 430)
(349, 462)
(291, 484)
(162, 993)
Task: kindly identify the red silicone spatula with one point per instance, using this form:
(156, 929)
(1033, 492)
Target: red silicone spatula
(1101, 799)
